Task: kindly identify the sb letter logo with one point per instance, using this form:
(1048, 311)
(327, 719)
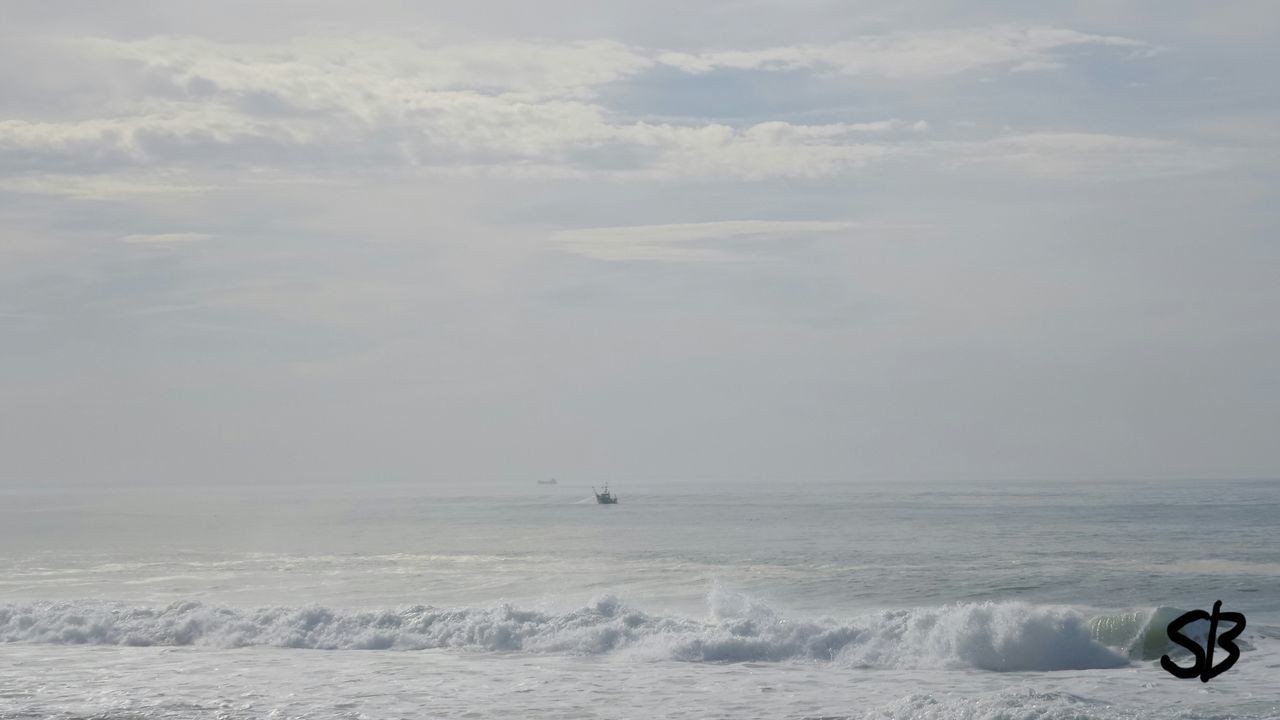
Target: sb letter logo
(1204, 667)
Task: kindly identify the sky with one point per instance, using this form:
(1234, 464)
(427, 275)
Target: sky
(440, 242)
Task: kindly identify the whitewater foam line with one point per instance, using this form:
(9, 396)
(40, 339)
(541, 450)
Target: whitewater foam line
(990, 636)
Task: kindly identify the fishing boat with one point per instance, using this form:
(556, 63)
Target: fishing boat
(605, 497)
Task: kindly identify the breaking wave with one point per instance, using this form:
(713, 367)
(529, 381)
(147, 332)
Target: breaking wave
(1140, 633)
(1007, 636)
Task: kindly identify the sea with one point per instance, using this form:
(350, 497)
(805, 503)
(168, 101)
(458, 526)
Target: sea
(939, 601)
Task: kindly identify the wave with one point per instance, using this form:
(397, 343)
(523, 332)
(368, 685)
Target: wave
(1006, 636)
(1140, 633)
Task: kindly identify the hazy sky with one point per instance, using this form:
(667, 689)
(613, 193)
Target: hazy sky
(442, 241)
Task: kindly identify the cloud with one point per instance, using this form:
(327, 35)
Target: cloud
(683, 242)
(165, 134)
(765, 150)
(165, 238)
(103, 187)
(913, 54)
(372, 74)
(382, 263)
(471, 133)
(1085, 156)
(321, 106)
(453, 131)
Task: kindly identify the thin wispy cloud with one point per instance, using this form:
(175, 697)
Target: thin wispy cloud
(1094, 157)
(683, 242)
(165, 238)
(917, 54)
(116, 185)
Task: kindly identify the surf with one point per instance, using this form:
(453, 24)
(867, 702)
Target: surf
(993, 636)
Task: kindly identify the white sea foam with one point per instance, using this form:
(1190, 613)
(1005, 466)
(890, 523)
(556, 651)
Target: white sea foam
(989, 636)
(1028, 704)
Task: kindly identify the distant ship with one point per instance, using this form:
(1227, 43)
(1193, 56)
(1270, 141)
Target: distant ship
(605, 497)
(552, 481)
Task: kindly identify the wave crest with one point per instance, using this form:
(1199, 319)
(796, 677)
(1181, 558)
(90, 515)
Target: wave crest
(989, 636)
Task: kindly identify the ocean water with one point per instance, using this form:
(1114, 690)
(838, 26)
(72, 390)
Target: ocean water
(686, 600)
